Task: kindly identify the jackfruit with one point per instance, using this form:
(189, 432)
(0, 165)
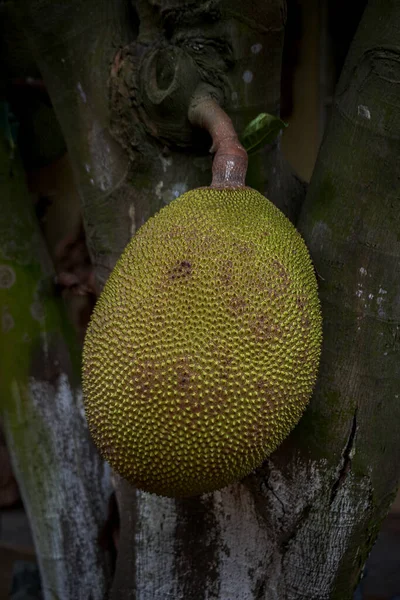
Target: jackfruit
(203, 348)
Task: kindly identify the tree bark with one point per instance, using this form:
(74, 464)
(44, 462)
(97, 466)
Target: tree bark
(64, 483)
(300, 527)
(351, 224)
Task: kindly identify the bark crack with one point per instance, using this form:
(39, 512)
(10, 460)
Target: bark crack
(346, 460)
(285, 541)
(273, 492)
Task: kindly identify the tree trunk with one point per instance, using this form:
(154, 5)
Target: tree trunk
(300, 527)
(351, 223)
(64, 484)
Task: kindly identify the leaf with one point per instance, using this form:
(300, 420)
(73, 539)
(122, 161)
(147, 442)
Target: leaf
(262, 130)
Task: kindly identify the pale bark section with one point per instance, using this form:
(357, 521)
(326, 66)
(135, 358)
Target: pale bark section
(244, 543)
(239, 536)
(155, 529)
(265, 542)
(47, 436)
(322, 542)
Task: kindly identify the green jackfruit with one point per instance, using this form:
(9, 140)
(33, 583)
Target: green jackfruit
(203, 349)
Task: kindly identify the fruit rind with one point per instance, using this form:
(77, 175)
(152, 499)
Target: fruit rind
(203, 348)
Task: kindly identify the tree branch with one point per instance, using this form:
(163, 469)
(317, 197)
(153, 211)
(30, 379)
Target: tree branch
(63, 482)
(230, 160)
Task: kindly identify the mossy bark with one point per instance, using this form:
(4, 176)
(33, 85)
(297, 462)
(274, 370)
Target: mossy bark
(351, 223)
(63, 482)
(303, 524)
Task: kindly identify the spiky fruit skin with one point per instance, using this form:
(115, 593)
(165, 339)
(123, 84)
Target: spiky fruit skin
(203, 349)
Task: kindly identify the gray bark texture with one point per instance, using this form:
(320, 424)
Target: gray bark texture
(301, 527)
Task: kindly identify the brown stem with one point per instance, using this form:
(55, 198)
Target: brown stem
(230, 160)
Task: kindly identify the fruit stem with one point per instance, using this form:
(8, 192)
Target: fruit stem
(230, 161)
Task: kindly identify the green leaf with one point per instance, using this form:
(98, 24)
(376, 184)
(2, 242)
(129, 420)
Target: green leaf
(262, 130)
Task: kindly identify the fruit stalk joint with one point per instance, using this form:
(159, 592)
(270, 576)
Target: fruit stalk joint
(230, 159)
